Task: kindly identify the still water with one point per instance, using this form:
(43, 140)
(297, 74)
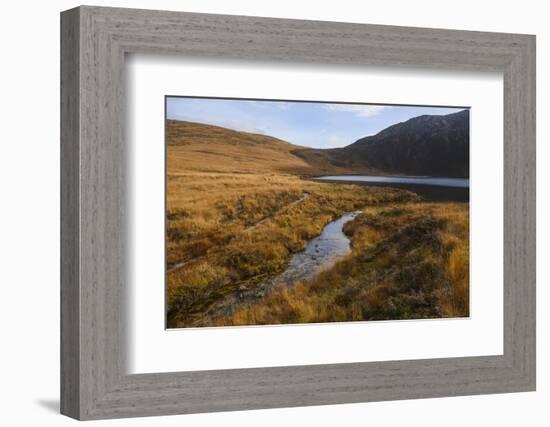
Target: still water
(413, 180)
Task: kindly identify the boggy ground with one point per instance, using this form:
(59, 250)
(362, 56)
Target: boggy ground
(237, 211)
(409, 258)
(408, 261)
(237, 230)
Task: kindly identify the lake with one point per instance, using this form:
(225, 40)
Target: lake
(430, 188)
(417, 180)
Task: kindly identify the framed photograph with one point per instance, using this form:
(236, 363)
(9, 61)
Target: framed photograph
(262, 213)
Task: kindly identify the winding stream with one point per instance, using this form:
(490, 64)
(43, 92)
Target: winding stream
(320, 254)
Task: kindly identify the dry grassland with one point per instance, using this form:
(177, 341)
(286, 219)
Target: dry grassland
(237, 210)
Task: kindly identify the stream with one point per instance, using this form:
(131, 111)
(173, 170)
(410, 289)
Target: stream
(320, 254)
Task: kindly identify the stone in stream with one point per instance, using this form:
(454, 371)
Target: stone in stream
(241, 291)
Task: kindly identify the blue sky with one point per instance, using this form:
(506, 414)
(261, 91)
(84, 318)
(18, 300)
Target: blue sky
(319, 125)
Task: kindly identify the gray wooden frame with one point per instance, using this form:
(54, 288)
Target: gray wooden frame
(94, 41)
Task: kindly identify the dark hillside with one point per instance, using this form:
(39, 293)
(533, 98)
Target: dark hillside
(428, 145)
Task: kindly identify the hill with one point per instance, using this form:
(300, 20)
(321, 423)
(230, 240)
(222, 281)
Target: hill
(205, 148)
(237, 212)
(428, 145)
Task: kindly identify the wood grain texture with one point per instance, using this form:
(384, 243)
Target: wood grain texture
(70, 220)
(94, 232)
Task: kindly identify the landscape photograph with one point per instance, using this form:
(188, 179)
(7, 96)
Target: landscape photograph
(291, 212)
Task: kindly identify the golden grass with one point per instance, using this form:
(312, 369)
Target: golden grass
(237, 230)
(409, 261)
(237, 211)
(205, 148)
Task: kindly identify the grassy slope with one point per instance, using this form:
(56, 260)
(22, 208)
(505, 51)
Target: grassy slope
(325, 162)
(237, 213)
(206, 148)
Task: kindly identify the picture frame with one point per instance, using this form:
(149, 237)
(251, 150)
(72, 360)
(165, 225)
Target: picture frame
(94, 380)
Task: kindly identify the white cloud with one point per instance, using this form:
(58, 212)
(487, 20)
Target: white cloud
(359, 110)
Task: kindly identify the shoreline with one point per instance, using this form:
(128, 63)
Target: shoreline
(432, 193)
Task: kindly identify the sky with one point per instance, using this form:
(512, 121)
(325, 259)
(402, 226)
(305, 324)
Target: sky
(309, 124)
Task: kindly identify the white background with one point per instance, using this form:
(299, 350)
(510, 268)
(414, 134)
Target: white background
(29, 242)
(152, 349)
